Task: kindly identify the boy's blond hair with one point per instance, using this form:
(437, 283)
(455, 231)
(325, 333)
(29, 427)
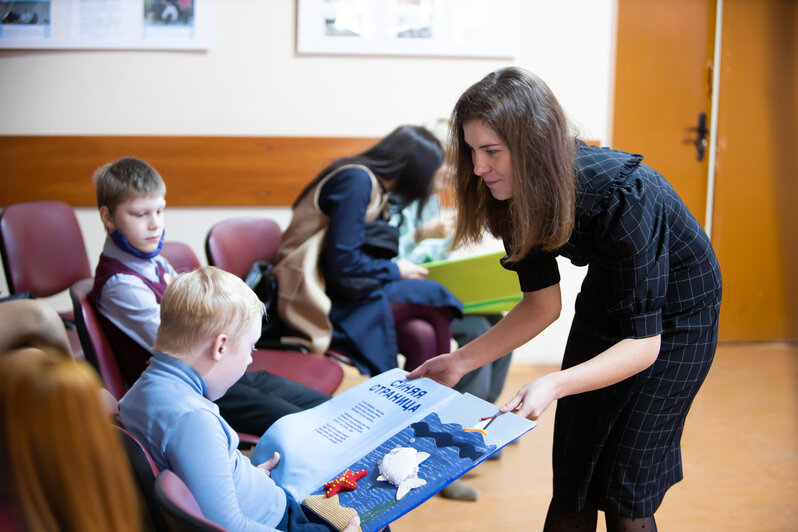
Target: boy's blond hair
(125, 179)
(201, 304)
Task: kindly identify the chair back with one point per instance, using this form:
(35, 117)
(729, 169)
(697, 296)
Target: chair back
(180, 256)
(96, 347)
(42, 247)
(144, 470)
(235, 244)
(180, 508)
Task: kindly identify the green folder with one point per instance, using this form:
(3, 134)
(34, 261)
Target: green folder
(480, 282)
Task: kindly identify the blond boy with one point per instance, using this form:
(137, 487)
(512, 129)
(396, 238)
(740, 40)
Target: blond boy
(210, 321)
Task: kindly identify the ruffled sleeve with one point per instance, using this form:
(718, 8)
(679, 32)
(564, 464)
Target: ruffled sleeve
(537, 270)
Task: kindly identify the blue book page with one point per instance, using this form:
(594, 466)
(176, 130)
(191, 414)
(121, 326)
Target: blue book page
(315, 444)
(448, 443)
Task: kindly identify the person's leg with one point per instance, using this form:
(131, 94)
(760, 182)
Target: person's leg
(616, 523)
(498, 376)
(460, 491)
(258, 399)
(499, 367)
(469, 327)
(561, 520)
(280, 388)
(476, 382)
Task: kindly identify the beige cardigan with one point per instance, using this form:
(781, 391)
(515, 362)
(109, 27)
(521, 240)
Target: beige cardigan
(303, 305)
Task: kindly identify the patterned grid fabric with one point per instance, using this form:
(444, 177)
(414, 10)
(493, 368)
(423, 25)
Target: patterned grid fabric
(651, 270)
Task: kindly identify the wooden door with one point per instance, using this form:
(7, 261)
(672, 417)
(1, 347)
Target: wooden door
(755, 226)
(663, 79)
(662, 83)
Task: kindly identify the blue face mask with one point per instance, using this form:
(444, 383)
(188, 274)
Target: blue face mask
(122, 243)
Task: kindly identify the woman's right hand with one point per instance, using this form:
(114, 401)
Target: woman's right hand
(408, 270)
(446, 369)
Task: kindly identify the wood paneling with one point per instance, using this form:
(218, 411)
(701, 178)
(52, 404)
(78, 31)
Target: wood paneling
(199, 171)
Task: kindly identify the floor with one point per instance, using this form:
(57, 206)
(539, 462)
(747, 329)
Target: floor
(740, 453)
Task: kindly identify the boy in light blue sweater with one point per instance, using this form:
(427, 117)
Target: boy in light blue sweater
(210, 321)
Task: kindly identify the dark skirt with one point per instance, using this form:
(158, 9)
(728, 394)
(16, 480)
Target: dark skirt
(619, 447)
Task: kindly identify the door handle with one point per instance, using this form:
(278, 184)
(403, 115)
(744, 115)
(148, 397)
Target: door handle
(701, 132)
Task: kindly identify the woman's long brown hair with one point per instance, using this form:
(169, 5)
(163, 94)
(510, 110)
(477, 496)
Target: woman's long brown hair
(66, 466)
(521, 109)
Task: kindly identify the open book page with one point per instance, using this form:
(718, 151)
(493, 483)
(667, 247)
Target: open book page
(315, 444)
(433, 434)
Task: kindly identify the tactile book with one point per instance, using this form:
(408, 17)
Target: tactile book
(383, 447)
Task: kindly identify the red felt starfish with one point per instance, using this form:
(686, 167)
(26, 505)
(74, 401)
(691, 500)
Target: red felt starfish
(347, 481)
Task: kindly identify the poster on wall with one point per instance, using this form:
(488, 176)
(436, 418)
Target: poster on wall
(468, 28)
(110, 24)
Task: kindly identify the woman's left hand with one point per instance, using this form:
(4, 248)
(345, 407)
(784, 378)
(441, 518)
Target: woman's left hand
(533, 398)
(270, 464)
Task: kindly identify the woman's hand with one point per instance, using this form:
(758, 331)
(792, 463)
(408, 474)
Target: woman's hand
(446, 369)
(628, 357)
(354, 524)
(270, 464)
(533, 398)
(408, 270)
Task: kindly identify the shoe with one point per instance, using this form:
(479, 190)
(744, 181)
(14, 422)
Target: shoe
(460, 491)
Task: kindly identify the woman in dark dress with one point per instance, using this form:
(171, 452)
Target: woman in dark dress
(645, 329)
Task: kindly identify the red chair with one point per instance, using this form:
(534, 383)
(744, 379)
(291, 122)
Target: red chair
(98, 350)
(96, 347)
(179, 506)
(311, 370)
(144, 471)
(180, 256)
(235, 244)
(43, 252)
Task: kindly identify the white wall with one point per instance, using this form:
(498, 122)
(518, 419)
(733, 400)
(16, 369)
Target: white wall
(252, 82)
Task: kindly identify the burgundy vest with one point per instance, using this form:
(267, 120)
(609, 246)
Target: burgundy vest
(130, 355)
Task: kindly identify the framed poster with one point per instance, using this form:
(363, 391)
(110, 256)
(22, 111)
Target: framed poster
(470, 28)
(112, 24)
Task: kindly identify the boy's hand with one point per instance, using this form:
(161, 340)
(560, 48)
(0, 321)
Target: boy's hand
(270, 464)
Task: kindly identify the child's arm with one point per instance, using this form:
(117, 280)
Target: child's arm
(130, 305)
(230, 491)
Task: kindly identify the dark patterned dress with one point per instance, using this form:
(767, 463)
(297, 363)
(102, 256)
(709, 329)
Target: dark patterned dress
(651, 270)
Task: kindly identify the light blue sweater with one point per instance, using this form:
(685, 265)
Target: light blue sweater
(167, 411)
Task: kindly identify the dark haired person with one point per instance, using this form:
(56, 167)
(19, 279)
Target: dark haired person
(324, 243)
(645, 329)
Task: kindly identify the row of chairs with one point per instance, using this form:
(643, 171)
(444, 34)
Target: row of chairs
(44, 253)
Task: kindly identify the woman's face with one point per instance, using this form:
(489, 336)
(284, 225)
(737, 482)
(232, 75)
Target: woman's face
(491, 158)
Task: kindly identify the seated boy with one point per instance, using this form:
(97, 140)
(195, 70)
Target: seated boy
(210, 321)
(131, 278)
